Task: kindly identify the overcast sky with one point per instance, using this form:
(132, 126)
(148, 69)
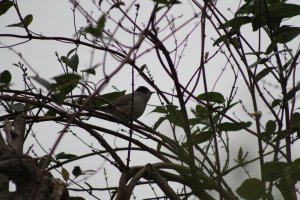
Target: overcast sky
(54, 18)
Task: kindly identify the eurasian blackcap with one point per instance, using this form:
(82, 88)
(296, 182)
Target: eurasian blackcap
(121, 108)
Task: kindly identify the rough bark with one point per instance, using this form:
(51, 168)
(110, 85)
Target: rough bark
(31, 181)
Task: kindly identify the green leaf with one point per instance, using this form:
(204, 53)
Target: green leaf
(158, 122)
(27, 20)
(283, 134)
(258, 21)
(222, 38)
(42, 81)
(50, 113)
(73, 62)
(263, 73)
(251, 189)
(240, 157)
(212, 97)
(65, 78)
(70, 52)
(64, 59)
(142, 68)
(285, 10)
(296, 163)
(65, 174)
(97, 31)
(65, 84)
(292, 93)
(194, 121)
(283, 35)
(228, 126)
(295, 120)
(89, 71)
(64, 155)
(287, 64)
(225, 38)
(295, 170)
(237, 22)
(93, 31)
(276, 13)
(286, 34)
(272, 171)
(259, 61)
(271, 47)
(160, 109)
(77, 171)
(172, 113)
(202, 136)
(286, 187)
(235, 42)
(201, 112)
(164, 109)
(247, 8)
(58, 97)
(4, 6)
(225, 109)
(117, 5)
(5, 77)
(276, 102)
(101, 22)
(271, 127)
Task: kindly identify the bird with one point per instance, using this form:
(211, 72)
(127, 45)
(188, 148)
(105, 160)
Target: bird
(122, 107)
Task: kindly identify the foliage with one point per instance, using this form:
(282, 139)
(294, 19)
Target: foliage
(195, 151)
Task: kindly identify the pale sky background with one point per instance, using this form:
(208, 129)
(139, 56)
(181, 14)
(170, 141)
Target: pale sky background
(54, 18)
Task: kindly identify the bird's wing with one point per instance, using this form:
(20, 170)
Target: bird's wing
(123, 101)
